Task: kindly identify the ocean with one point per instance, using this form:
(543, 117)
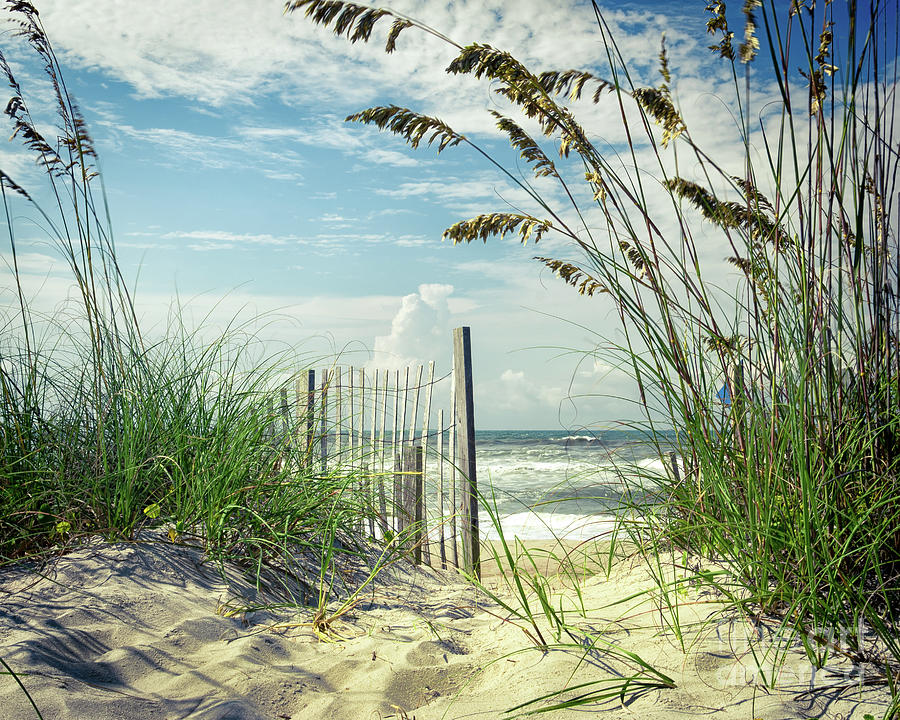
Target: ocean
(550, 483)
(542, 484)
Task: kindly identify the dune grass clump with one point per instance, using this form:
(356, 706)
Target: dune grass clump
(105, 430)
(782, 378)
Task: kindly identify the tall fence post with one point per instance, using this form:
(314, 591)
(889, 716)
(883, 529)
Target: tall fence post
(454, 520)
(310, 414)
(413, 499)
(465, 448)
(327, 377)
(426, 418)
(285, 417)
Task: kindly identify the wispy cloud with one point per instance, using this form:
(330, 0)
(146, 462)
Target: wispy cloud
(205, 240)
(231, 52)
(326, 131)
(212, 152)
(393, 158)
(208, 240)
(35, 263)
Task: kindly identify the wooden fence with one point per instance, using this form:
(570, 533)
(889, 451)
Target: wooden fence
(375, 426)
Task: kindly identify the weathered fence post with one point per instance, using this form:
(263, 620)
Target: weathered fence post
(323, 420)
(382, 504)
(426, 417)
(284, 437)
(285, 416)
(465, 448)
(351, 417)
(673, 458)
(299, 418)
(454, 520)
(338, 413)
(377, 487)
(413, 499)
(310, 413)
(395, 453)
(440, 509)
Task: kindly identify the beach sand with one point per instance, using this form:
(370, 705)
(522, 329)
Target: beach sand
(143, 630)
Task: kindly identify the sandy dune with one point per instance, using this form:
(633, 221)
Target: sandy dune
(141, 630)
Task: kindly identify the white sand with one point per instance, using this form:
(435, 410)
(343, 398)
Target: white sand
(132, 631)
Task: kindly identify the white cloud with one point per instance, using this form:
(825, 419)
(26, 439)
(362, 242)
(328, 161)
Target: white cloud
(518, 393)
(32, 263)
(420, 329)
(377, 156)
(326, 131)
(515, 378)
(205, 240)
(284, 176)
(227, 52)
(259, 153)
(413, 240)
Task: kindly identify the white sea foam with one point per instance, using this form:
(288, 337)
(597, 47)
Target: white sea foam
(538, 466)
(655, 464)
(575, 439)
(548, 526)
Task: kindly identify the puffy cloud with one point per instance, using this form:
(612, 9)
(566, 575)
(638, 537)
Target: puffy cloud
(420, 330)
(513, 377)
(519, 393)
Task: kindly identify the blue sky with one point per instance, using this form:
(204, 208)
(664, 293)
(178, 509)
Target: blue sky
(234, 182)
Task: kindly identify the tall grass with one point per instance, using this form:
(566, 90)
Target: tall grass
(104, 430)
(792, 484)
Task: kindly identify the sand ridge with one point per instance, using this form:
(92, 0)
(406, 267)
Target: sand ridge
(148, 630)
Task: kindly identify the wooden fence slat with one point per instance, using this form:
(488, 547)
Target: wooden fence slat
(415, 407)
(395, 452)
(673, 457)
(411, 437)
(440, 497)
(351, 415)
(426, 550)
(310, 412)
(338, 417)
(382, 477)
(412, 497)
(364, 485)
(285, 419)
(360, 440)
(452, 457)
(419, 517)
(398, 493)
(323, 421)
(465, 448)
(374, 477)
(365, 455)
(403, 406)
(299, 409)
(407, 466)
